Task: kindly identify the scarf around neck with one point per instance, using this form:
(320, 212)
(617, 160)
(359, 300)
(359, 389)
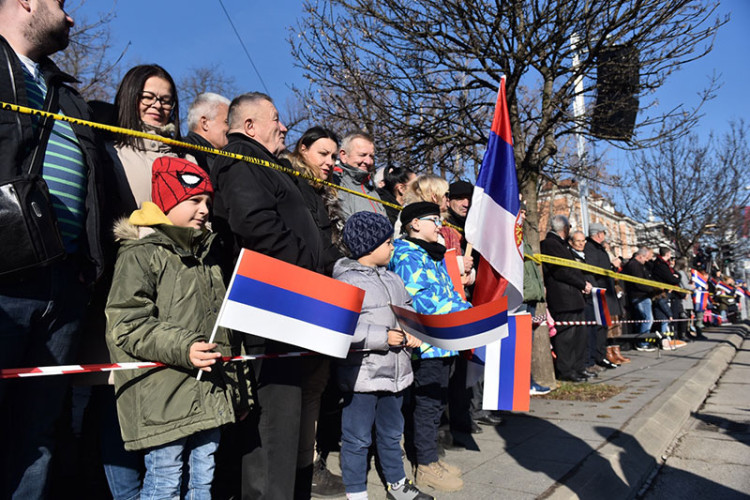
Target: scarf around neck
(436, 251)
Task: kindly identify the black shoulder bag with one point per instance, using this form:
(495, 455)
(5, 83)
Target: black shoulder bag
(30, 236)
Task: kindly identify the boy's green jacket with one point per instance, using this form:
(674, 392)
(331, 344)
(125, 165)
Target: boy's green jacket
(166, 294)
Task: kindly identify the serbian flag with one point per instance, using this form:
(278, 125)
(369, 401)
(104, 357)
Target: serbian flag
(723, 289)
(601, 310)
(493, 225)
(700, 300)
(699, 281)
(507, 367)
(280, 301)
(458, 331)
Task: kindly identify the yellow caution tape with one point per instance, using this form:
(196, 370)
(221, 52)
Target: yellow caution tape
(180, 144)
(540, 258)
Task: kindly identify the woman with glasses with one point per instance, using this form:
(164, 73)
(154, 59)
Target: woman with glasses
(146, 101)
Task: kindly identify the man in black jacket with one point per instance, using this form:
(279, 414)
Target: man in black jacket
(597, 256)
(42, 307)
(565, 289)
(662, 271)
(207, 126)
(262, 209)
(639, 295)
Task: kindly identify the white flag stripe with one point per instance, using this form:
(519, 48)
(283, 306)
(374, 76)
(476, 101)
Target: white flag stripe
(495, 242)
(464, 343)
(492, 375)
(281, 328)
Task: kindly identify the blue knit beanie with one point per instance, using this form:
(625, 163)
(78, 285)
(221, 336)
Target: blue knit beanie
(366, 231)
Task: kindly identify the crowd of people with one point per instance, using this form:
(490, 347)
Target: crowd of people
(120, 247)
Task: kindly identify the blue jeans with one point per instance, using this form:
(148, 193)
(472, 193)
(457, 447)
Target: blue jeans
(361, 410)
(40, 321)
(164, 467)
(643, 306)
(662, 311)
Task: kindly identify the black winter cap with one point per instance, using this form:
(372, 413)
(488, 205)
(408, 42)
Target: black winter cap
(417, 210)
(460, 189)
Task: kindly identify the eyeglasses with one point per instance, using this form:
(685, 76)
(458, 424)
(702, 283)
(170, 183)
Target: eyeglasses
(149, 98)
(437, 221)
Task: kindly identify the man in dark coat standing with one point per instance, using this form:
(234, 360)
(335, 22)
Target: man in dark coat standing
(262, 209)
(597, 256)
(565, 289)
(42, 304)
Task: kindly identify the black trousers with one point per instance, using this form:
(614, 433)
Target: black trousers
(596, 347)
(271, 431)
(569, 344)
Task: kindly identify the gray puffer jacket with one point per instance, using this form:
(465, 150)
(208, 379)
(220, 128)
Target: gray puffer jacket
(389, 368)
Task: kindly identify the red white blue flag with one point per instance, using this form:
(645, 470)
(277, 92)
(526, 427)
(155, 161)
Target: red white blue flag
(458, 331)
(493, 225)
(601, 310)
(280, 301)
(722, 288)
(507, 367)
(700, 300)
(698, 280)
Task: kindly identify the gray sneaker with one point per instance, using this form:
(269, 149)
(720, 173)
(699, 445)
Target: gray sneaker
(407, 492)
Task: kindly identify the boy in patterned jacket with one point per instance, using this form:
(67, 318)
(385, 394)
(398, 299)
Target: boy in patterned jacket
(418, 260)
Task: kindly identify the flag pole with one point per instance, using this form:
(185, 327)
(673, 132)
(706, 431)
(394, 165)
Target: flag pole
(223, 304)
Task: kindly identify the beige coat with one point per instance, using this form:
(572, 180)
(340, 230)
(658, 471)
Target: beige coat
(134, 166)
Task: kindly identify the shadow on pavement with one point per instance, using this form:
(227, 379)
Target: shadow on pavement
(740, 431)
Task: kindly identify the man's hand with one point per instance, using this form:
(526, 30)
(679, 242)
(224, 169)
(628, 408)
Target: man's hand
(202, 357)
(587, 288)
(468, 263)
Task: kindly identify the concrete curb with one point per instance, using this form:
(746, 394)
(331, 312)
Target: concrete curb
(636, 449)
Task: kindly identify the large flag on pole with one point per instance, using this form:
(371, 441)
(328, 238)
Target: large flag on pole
(280, 301)
(493, 225)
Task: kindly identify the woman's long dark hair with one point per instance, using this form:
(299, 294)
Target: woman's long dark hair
(127, 101)
(396, 175)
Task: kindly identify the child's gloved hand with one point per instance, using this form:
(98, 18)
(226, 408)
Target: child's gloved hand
(202, 357)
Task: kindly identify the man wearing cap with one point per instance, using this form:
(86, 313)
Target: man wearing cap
(459, 202)
(596, 255)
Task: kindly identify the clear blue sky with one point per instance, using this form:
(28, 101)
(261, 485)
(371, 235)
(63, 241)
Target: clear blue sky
(192, 33)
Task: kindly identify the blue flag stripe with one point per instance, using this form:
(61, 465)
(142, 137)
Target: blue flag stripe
(277, 300)
(498, 174)
(507, 368)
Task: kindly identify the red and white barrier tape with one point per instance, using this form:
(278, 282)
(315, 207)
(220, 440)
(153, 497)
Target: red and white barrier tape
(542, 319)
(40, 371)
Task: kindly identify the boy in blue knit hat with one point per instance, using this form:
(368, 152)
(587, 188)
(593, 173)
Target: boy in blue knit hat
(373, 382)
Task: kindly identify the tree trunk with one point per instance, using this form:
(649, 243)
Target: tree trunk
(542, 369)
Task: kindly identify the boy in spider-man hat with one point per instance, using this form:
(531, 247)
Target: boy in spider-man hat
(166, 293)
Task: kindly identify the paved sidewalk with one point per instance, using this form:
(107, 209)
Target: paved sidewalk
(711, 458)
(567, 449)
